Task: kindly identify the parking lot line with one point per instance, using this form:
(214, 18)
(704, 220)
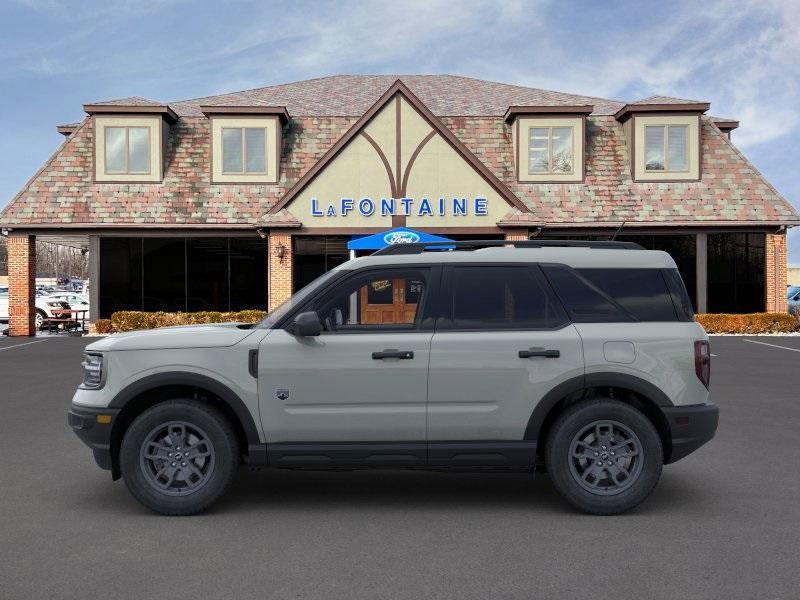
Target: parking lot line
(20, 345)
(773, 345)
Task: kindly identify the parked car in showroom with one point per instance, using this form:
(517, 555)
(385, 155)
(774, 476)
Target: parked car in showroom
(581, 358)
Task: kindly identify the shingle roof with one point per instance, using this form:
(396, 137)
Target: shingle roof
(352, 95)
(130, 101)
(63, 192)
(665, 100)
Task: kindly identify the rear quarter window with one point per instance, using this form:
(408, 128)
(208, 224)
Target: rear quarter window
(642, 292)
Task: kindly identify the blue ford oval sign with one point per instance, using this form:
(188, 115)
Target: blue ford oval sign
(401, 237)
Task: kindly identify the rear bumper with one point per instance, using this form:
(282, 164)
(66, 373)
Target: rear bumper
(93, 432)
(690, 427)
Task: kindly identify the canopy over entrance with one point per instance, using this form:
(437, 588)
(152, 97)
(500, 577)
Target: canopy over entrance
(397, 235)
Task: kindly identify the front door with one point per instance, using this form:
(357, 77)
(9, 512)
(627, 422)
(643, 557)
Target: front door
(357, 392)
(389, 301)
(502, 342)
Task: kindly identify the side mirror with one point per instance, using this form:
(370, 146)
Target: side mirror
(307, 324)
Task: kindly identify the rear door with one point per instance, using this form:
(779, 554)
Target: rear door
(502, 342)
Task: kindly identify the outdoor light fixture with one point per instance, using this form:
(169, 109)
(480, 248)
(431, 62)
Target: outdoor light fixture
(4, 231)
(261, 233)
(280, 252)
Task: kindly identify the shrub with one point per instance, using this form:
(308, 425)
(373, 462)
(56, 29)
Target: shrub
(752, 323)
(103, 326)
(130, 320)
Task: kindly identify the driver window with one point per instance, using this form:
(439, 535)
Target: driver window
(381, 300)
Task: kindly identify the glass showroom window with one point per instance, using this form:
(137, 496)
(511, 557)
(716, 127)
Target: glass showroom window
(127, 150)
(666, 148)
(244, 150)
(550, 150)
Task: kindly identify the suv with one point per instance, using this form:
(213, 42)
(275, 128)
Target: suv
(583, 359)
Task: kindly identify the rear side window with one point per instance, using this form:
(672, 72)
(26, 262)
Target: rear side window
(585, 302)
(642, 292)
(494, 297)
(680, 297)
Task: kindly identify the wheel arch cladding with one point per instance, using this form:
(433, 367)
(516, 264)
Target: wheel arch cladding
(633, 390)
(154, 389)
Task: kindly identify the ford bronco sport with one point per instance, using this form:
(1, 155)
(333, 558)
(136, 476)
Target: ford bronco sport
(580, 358)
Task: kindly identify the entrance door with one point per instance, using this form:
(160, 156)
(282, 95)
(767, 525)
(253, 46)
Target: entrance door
(390, 301)
(357, 392)
(501, 344)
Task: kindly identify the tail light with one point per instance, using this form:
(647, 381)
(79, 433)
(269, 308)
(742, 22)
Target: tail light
(702, 362)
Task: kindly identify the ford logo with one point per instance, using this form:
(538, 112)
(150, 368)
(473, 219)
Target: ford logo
(401, 237)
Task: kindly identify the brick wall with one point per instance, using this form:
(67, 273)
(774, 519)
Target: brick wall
(21, 284)
(280, 271)
(775, 273)
(517, 235)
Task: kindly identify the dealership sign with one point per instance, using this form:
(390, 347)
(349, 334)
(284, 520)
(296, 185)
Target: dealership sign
(422, 207)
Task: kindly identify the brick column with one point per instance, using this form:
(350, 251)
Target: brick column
(279, 283)
(21, 284)
(516, 235)
(775, 273)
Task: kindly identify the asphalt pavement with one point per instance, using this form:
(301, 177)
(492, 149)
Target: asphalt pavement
(723, 523)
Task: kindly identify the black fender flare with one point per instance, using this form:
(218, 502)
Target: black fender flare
(591, 380)
(220, 390)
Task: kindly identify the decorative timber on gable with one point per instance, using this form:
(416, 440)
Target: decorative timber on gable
(401, 158)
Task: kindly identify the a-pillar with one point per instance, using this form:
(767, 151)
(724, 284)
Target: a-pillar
(21, 284)
(775, 271)
(279, 260)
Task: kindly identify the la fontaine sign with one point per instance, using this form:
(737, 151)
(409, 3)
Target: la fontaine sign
(389, 207)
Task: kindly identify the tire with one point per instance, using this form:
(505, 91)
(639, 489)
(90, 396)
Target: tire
(603, 456)
(153, 459)
(39, 318)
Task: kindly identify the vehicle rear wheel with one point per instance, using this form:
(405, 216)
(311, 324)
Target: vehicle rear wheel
(604, 456)
(179, 456)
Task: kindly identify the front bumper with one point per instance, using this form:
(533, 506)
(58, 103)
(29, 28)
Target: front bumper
(690, 427)
(93, 426)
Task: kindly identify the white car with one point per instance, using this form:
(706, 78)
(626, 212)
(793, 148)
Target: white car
(46, 306)
(76, 300)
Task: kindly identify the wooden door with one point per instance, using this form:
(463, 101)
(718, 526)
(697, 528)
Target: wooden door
(389, 301)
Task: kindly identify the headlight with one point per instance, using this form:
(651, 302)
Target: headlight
(92, 371)
(53, 304)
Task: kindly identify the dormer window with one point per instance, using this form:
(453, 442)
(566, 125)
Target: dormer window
(550, 150)
(127, 150)
(245, 143)
(130, 140)
(666, 148)
(548, 142)
(244, 150)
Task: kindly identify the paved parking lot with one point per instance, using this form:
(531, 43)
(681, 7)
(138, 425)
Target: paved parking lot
(723, 523)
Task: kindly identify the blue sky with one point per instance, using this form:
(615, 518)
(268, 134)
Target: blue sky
(56, 55)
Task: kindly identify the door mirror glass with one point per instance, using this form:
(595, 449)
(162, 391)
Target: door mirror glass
(307, 324)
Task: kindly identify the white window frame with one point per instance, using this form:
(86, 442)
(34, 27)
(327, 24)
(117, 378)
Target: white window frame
(127, 129)
(244, 171)
(665, 148)
(521, 138)
(550, 170)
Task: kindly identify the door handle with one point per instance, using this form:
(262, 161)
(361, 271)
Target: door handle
(401, 354)
(532, 352)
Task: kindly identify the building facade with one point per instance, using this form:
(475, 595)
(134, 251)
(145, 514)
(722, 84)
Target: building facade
(235, 201)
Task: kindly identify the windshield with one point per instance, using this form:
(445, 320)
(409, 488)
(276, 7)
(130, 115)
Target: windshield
(299, 297)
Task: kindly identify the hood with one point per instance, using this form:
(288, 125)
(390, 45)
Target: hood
(217, 335)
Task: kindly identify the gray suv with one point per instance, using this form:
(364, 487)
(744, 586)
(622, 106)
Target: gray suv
(579, 358)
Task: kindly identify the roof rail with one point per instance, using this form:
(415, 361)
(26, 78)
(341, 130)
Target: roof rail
(419, 247)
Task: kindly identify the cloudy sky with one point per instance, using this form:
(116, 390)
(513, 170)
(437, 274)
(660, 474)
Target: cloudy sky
(741, 55)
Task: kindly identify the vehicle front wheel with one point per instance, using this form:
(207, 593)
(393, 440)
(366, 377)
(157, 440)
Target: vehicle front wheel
(179, 456)
(39, 318)
(604, 456)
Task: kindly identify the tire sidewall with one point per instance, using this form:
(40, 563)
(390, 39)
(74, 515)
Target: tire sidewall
(558, 458)
(209, 420)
